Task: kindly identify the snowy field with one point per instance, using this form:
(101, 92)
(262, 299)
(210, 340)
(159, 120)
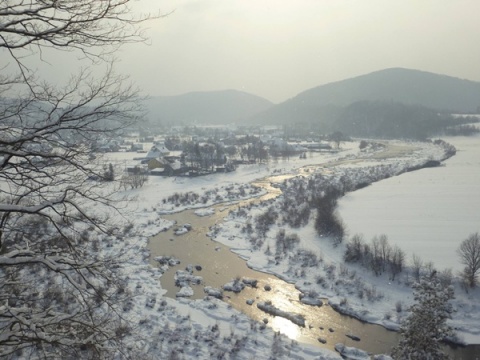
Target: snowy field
(428, 212)
(183, 327)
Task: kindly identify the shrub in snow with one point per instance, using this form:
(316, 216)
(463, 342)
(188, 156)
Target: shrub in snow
(211, 291)
(417, 266)
(151, 302)
(248, 228)
(295, 210)
(399, 306)
(371, 293)
(167, 260)
(265, 220)
(235, 286)
(304, 257)
(378, 256)
(320, 280)
(285, 242)
(355, 249)
(183, 278)
(446, 277)
(185, 291)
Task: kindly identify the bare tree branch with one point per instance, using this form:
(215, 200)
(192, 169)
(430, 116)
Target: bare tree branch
(60, 295)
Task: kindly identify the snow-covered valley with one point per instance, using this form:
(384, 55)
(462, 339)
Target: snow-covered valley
(379, 303)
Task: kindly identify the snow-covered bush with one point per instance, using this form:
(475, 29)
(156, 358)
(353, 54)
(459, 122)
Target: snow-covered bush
(378, 256)
(265, 220)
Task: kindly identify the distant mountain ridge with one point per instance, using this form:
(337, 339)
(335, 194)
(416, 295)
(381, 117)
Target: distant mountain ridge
(407, 86)
(411, 87)
(327, 107)
(209, 107)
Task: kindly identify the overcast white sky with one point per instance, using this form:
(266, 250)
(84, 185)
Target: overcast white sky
(278, 48)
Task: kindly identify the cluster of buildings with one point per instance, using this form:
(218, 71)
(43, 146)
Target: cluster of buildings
(208, 151)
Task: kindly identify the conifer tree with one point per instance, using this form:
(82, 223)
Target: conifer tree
(427, 325)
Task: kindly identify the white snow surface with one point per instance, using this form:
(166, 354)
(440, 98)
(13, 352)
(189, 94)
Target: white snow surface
(205, 212)
(184, 326)
(427, 212)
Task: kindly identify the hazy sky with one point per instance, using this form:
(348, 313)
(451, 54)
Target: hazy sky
(278, 48)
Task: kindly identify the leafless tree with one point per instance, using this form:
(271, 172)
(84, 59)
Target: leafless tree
(385, 251)
(59, 297)
(417, 266)
(134, 179)
(397, 261)
(354, 249)
(377, 260)
(446, 277)
(469, 252)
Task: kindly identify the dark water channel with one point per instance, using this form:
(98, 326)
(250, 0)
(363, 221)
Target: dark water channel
(220, 266)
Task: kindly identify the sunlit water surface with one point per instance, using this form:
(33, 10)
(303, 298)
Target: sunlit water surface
(220, 265)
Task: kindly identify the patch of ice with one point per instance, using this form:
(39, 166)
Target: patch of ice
(351, 353)
(205, 212)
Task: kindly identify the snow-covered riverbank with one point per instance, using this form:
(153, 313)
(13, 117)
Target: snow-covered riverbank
(200, 329)
(157, 315)
(350, 288)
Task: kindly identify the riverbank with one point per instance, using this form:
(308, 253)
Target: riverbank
(440, 205)
(200, 329)
(183, 325)
(350, 288)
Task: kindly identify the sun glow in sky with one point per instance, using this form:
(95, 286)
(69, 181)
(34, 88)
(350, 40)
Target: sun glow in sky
(276, 49)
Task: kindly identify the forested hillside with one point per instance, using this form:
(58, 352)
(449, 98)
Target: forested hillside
(387, 103)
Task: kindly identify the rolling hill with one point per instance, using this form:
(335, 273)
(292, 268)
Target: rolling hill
(410, 87)
(211, 107)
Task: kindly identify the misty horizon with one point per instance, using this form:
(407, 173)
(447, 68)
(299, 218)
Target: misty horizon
(227, 89)
(277, 50)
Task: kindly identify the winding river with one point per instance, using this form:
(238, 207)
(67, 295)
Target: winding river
(220, 265)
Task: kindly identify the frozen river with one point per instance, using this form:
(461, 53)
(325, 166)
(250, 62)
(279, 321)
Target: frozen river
(427, 212)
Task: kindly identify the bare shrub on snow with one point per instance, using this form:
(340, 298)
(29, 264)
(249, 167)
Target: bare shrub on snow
(265, 220)
(305, 258)
(379, 256)
(285, 242)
